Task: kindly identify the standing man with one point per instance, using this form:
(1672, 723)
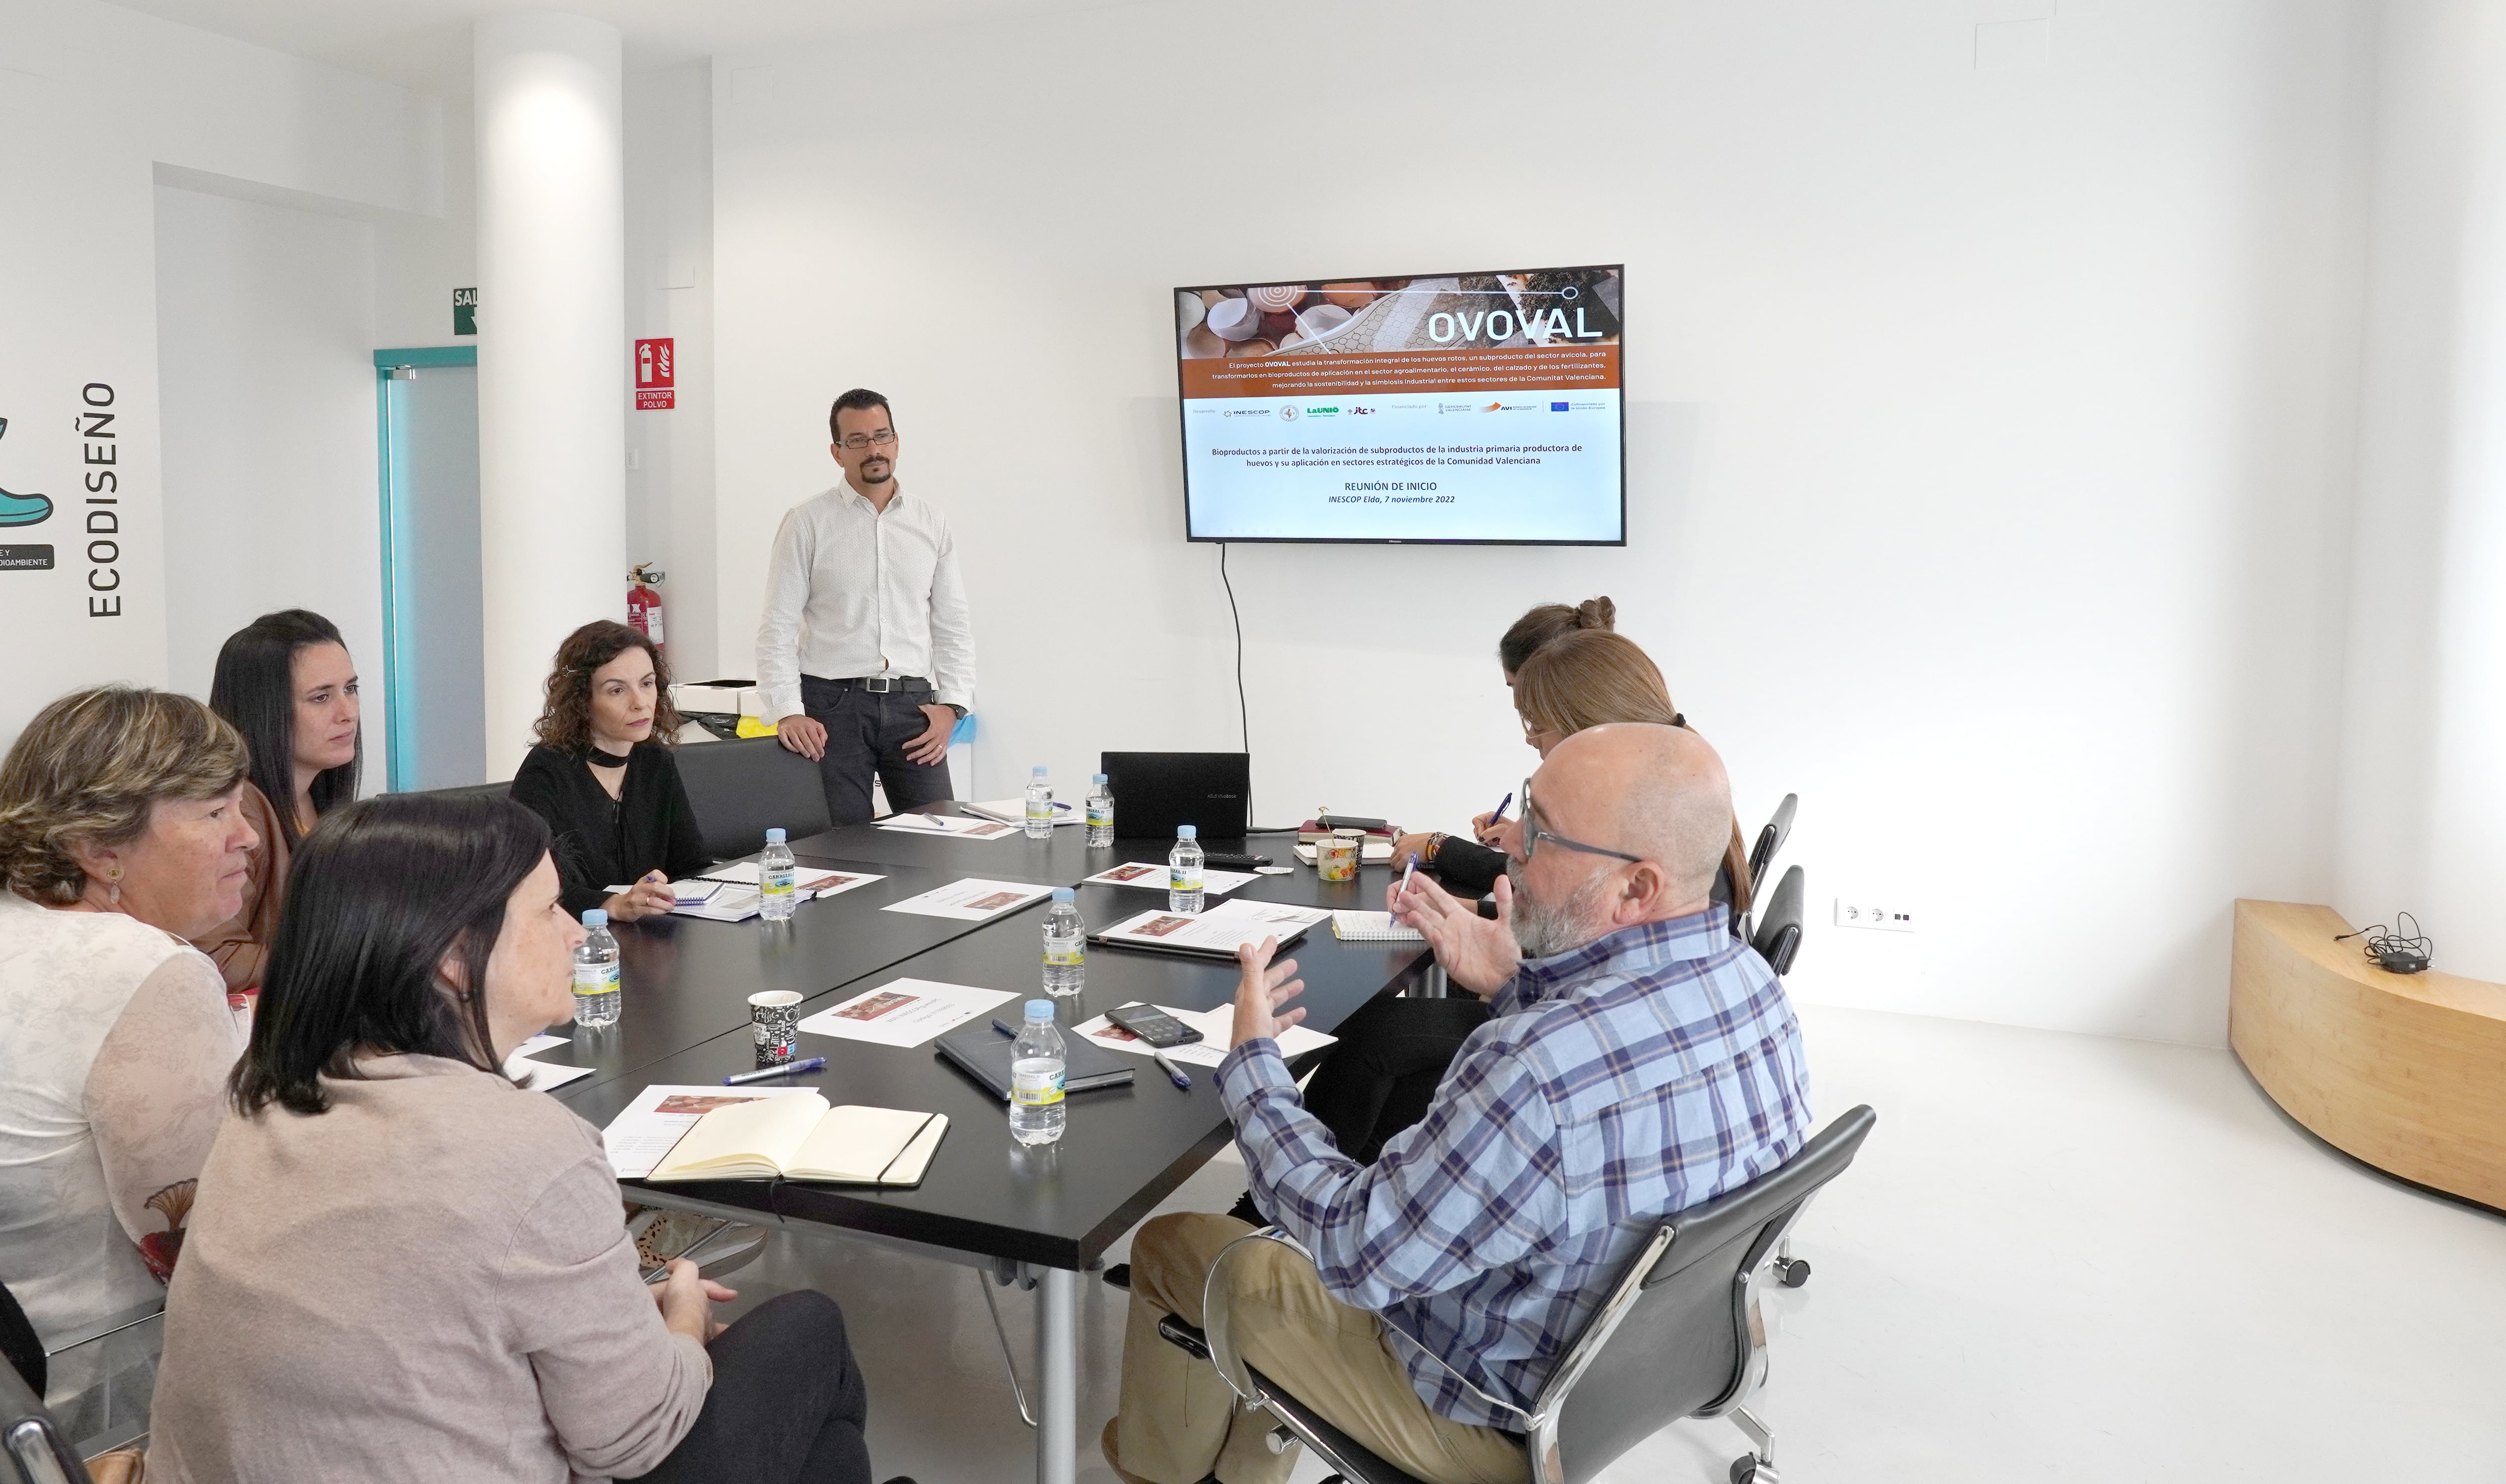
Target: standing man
(865, 654)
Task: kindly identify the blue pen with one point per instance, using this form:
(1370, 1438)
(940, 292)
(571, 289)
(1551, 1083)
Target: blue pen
(789, 1069)
(1500, 816)
(1003, 1029)
(1175, 1074)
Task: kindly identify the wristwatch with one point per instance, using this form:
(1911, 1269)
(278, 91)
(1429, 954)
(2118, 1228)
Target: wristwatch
(953, 706)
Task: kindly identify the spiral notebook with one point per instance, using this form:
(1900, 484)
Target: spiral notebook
(1373, 927)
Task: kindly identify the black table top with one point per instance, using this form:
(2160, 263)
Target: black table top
(1126, 1147)
(1059, 860)
(687, 979)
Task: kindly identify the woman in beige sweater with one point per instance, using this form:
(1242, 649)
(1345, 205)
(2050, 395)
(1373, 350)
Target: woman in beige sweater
(403, 1266)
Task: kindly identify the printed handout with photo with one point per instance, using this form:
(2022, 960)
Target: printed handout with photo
(874, 1006)
(996, 900)
(700, 1104)
(1132, 872)
(1159, 927)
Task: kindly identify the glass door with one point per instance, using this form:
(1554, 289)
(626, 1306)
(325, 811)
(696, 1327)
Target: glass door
(435, 656)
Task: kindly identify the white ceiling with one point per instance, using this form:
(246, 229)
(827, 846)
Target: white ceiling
(425, 44)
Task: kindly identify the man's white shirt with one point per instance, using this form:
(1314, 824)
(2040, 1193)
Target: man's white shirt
(852, 591)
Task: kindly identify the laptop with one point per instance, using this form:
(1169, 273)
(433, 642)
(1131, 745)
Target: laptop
(1155, 792)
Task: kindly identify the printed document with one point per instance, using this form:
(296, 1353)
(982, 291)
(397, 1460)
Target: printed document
(973, 900)
(1154, 876)
(957, 825)
(1214, 1026)
(905, 1012)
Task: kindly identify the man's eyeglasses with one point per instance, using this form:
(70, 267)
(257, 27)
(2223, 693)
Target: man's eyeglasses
(859, 441)
(1534, 833)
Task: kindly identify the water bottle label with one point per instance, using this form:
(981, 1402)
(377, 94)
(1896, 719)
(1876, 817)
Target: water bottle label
(1183, 878)
(1040, 808)
(1100, 816)
(1036, 1091)
(1068, 955)
(776, 883)
(595, 978)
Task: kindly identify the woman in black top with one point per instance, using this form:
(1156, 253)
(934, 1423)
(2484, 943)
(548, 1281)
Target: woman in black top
(603, 777)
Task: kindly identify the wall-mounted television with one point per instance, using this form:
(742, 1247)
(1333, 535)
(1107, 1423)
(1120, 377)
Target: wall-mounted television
(1462, 408)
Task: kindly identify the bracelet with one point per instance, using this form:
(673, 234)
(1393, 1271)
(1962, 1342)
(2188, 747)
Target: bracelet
(1435, 842)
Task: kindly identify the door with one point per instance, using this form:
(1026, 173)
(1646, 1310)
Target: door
(435, 675)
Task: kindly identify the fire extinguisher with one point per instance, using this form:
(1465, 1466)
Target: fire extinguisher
(644, 601)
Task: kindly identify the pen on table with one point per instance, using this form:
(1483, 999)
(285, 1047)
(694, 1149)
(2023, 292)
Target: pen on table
(1000, 1026)
(789, 1069)
(1175, 1074)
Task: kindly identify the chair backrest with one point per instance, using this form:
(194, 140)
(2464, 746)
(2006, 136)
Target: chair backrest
(740, 790)
(468, 791)
(32, 1450)
(1778, 936)
(19, 1345)
(1771, 839)
(1680, 1335)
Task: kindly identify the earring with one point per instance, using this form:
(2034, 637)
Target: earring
(113, 884)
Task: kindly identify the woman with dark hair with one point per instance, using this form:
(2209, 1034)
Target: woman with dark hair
(602, 775)
(402, 1265)
(1472, 864)
(286, 682)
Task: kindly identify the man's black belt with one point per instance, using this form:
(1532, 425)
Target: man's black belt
(877, 684)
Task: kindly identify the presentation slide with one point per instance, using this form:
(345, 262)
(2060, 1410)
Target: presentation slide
(1466, 408)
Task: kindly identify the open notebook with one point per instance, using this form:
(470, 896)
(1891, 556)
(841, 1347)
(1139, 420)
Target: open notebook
(799, 1137)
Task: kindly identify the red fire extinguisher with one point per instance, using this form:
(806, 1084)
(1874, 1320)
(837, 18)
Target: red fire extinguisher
(644, 601)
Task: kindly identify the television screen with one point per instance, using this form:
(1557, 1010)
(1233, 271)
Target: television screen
(1452, 407)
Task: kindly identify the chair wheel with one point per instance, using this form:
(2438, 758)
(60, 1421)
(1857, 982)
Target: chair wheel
(1793, 1274)
(1749, 1468)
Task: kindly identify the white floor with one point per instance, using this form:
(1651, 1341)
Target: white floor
(2058, 1258)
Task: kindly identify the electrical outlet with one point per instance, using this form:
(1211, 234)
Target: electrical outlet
(1853, 913)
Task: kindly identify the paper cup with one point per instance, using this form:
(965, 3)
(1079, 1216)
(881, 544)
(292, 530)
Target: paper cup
(774, 1017)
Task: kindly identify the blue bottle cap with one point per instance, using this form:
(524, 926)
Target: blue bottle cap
(1064, 894)
(595, 917)
(1039, 1009)
(773, 837)
(1098, 778)
(1186, 832)
(1037, 770)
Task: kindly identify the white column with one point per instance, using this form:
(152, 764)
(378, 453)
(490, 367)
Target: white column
(2421, 824)
(552, 350)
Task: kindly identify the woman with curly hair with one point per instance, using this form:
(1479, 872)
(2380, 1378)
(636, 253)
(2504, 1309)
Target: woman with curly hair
(121, 834)
(603, 779)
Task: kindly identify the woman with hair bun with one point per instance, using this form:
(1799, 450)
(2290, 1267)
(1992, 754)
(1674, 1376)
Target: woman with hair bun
(603, 778)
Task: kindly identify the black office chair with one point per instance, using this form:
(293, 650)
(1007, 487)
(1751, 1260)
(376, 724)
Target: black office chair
(1680, 1335)
(1777, 937)
(33, 1449)
(466, 791)
(1762, 855)
(740, 790)
(19, 1345)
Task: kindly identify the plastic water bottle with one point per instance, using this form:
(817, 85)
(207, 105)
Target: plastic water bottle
(597, 995)
(1039, 805)
(1066, 947)
(1100, 812)
(1037, 1112)
(774, 873)
(1183, 870)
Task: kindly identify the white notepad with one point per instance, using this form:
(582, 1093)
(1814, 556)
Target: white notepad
(1373, 927)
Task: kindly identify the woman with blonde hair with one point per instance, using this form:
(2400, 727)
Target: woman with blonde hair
(122, 835)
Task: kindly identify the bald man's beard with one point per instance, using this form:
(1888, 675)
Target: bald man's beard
(1543, 930)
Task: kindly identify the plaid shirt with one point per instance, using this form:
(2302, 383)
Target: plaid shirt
(1640, 1074)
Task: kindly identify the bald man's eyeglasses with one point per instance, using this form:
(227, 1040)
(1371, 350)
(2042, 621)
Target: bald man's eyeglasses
(1534, 833)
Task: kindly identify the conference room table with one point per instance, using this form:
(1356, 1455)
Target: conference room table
(1041, 1218)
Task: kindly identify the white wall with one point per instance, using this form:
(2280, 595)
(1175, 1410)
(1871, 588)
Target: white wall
(2423, 801)
(94, 103)
(1989, 426)
(264, 339)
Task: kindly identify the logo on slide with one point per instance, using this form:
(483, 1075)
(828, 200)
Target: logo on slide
(1288, 413)
(21, 509)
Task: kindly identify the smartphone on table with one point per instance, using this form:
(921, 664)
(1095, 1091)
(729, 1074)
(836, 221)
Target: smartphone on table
(1153, 1025)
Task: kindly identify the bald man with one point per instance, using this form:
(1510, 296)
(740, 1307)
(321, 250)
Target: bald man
(1639, 1060)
